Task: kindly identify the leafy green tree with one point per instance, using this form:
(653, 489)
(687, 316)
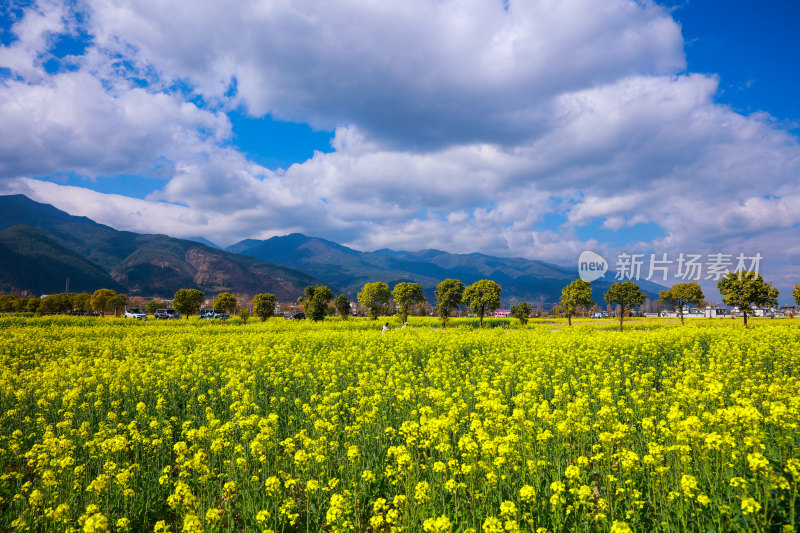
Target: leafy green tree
(744, 289)
(117, 303)
(244, 315)
(7, 303)
(375, 297)
(448, 297)
(315, 301)
(522, 311)
(81, 301)
(55, 303)
(152, 305)
(20, 305)
(682, 294)
(225, 302)
(796, 294)
(33, 305)
(577, 294)
(482, 297)
(100, 300)
(342, 305)
(405, 295)
(264, 305)
(625, 294)
(188, 301)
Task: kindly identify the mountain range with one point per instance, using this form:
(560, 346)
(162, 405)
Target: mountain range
(41, 246)
(521, 279)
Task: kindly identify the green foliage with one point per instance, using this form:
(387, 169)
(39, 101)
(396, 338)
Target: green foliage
(152, 305)
(56, 303)
(744, 289)
(244, 314)
(100, 300)
(577, 294)
(796, 294)
(342, 304)
(448, 297)
(482, 297)
(264, 305)
(33, 305)
(81, 300)
(315, 302)
(375, 297)
(522, 311)
(225, 302)
(627, 295)
(405, 295)
(188, 301)
(7, 303)
(117, 303)
(682, 294)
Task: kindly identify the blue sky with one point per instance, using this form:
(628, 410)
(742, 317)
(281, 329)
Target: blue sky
(535, 131)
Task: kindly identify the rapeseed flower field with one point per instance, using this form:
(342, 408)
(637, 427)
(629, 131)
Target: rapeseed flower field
(188, 426)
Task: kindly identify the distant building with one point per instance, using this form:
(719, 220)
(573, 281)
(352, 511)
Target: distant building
(502, 313)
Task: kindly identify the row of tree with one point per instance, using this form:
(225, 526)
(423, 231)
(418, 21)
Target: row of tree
(743, 290)
(102, 302)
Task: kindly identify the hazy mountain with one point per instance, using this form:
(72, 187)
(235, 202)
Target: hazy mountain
(521, 279)
(42, 246)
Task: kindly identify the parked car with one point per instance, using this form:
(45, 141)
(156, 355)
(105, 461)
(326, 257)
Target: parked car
(135, 312)
(166, 314)
(296, 316)
(210, 313)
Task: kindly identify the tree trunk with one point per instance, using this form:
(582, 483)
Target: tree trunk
(569, 319)
(621, 315)
(745, 318)
(681, 313)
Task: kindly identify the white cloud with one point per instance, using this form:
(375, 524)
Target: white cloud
(410, 72)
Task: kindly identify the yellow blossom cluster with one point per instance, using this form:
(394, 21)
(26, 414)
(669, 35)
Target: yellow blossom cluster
(110, 425)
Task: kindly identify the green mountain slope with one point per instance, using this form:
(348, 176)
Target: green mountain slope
(32, 260)
(138, 263)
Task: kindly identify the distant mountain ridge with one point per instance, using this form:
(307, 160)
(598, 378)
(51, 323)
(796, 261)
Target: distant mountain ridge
(41, 246)
(521, 279)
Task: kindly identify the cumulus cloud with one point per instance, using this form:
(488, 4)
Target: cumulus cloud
(412, 72)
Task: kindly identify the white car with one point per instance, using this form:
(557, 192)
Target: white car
(135, 312)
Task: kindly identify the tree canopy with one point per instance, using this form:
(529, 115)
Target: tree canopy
(682, 294)
(100, 300)
(405, 295)
(522, 311)
(796, 294)
(225, 302)
(577, 294)
(315, 301)
(342, 305)
(482, 297)
(188, 301)
(375, 297)
(625, 294)
(744, 289)
(448, 298)
(264, 305)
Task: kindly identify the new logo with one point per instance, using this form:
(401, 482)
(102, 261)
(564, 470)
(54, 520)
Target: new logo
(591, 266)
